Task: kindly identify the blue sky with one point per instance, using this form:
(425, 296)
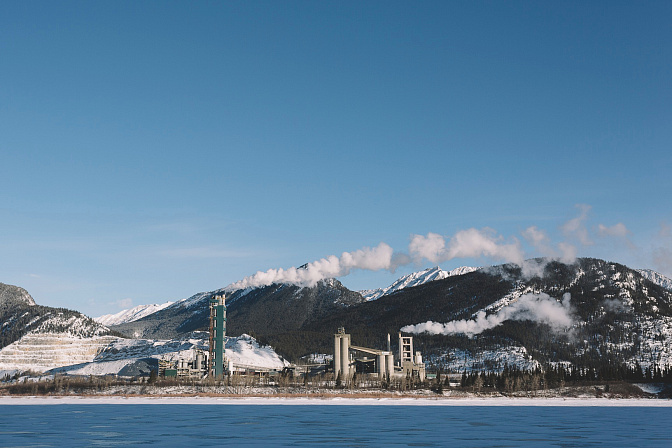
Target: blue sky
(152, 150)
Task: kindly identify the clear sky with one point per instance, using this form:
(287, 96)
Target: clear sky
(152, 150)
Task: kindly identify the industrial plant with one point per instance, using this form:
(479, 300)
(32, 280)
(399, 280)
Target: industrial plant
(348, 359)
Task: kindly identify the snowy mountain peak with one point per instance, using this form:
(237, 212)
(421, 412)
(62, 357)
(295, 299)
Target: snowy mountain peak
(131, 315)
(13, 295)
(655, 277)
(415, 279)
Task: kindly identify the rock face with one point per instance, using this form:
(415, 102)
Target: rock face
(40, 352)
(34, 337)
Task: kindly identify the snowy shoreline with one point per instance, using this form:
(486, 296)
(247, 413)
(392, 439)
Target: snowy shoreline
(340, 401)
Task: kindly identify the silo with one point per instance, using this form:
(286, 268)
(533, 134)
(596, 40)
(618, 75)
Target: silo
(337, 354)
(382, 365)
(345, 357)
(390, 364)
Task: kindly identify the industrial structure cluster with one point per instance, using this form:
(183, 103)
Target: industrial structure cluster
(348, 359)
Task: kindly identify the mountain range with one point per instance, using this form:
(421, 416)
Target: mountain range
(613, 315)
(619, 315)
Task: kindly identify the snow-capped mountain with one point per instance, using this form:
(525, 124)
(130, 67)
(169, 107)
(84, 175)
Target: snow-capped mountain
(415, 279)
(131, 314)
(655, 277)
(265, 310)
(198, 302)
(34, 337)
(12, 296)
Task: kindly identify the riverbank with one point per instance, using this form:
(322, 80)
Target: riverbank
(335, 401)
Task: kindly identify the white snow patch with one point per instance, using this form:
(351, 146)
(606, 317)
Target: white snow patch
(656, 278)
(244, 351)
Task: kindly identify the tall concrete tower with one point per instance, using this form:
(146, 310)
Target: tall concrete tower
(342, 354)
(217, 335)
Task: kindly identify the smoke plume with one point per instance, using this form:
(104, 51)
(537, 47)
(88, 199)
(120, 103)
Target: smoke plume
(470, 243)
(436, 248)
(617, 230)
(576, 227)
(371, 259)
(535, 307)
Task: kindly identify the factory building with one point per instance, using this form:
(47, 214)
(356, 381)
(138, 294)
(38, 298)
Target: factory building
(348, 358)
(197, 367)
(411, 365)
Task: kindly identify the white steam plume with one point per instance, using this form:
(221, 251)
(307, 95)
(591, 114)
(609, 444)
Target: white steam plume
(539, 240)
(372, 259)
(470, 243)
(576, 227)
(536, 307)
(617, 230)
(662, 253)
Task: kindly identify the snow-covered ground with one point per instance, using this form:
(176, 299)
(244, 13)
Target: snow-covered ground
(44, 351)
(486, 360)
(122, 354)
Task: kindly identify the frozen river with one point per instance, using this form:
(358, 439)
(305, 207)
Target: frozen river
(134, 423)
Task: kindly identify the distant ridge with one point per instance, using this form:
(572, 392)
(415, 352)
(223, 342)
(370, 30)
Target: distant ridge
(131, 315)
(415, 279)
(657, 278)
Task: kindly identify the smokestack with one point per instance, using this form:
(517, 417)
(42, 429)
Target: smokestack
(217, 335)
(389, 347)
